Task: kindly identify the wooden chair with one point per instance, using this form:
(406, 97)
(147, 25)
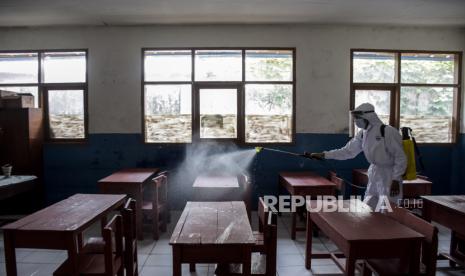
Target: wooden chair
(109, 263)
(429, 248)
(155, 208)
(265, 244)
(340, 184)
(97, 244)
(130, 238)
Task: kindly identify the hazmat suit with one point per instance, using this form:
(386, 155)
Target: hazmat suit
(385, 155)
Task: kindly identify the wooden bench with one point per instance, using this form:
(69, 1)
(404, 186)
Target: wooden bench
(304, 184)
(212, 232)
(130, 182)
(429, 248)
(362, 234)
(58, 226)
(108, 263)
(448, 211)
(265, 243)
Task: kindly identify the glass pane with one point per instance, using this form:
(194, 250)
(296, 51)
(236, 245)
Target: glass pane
(268, 65)
(428, 111)
(19, 67)
(66, 114)
(61, 67)
(218, 65)
(268, 113)
(380, 99)
(427, 68)
(218, 113)
(168, 113)
(374, 67)
(168, 65)
(24, 89)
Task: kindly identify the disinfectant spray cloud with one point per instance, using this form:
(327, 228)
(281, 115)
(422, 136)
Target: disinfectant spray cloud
(213, 158)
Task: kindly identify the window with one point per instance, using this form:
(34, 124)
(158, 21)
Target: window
(420, 90)
(58, 81)
(168, 113)
(218, 112)
(218, 65)
(246, 95)
(66, 114)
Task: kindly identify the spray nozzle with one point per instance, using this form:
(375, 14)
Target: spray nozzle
(258, 149)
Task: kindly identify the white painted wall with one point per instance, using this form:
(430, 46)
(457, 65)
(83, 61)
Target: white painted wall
(322, 62)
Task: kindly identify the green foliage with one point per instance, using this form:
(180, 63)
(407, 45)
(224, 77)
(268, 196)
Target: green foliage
(278, 97)
(432, 101)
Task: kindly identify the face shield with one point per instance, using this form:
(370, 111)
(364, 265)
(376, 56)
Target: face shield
(358, 119)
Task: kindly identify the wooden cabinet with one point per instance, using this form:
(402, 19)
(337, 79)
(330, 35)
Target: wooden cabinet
(21, 140)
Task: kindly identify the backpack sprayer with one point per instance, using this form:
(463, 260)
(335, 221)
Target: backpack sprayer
(308, 156)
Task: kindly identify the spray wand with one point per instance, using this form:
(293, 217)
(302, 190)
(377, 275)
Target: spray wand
(308, 156)
(259, 149)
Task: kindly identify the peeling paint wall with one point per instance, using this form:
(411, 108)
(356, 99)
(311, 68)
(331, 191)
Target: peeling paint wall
(322, 62)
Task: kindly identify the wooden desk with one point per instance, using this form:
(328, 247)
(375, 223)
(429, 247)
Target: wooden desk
(450, 212)
(221, 187)
(212, 232)
(216, 188)
(411, 188)
(362, 234)
(58, 226)
(305, 184)
(130, 182)
(16, 184)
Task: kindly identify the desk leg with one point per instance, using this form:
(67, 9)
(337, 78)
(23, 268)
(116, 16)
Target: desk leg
(10, 253)
(294, 225)
(426, 212)
(73, 254)
(139, 226)
(80, 240)
(103, 223)
(308, 245)
(350, 266)
(247, 262)
(177, 267)
(453, 248)
(414, 267)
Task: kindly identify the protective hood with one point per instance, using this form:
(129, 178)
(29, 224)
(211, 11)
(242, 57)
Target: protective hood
(367, 111)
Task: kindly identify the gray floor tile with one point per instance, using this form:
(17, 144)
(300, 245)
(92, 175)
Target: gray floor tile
(159, 260)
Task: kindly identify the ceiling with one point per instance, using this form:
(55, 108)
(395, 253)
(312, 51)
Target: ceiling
(140, 12)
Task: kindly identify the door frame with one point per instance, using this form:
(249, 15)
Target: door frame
(45, 90)
(196, 110)
(394, 108)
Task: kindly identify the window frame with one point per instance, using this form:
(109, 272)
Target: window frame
(396, 86)
(42, 87)
(240, 140)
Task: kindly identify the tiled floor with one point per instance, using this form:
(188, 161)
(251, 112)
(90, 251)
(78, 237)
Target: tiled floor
(155, 257)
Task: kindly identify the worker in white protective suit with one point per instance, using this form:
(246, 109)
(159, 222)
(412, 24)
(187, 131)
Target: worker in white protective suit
(385, 154)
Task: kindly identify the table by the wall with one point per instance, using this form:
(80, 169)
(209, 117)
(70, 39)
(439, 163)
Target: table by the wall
(58, 226)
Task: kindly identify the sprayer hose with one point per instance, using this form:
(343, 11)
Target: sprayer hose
(329, 168)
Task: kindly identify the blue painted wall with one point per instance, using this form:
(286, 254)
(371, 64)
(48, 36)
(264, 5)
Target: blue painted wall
(73, 168)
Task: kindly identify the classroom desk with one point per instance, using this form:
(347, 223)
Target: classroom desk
(305, 184)
(130, 182)
(222, 187)
(16, 184)
(362, 234)
(212, 232)
(58, 226)
(411, 188)
(448, 211)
